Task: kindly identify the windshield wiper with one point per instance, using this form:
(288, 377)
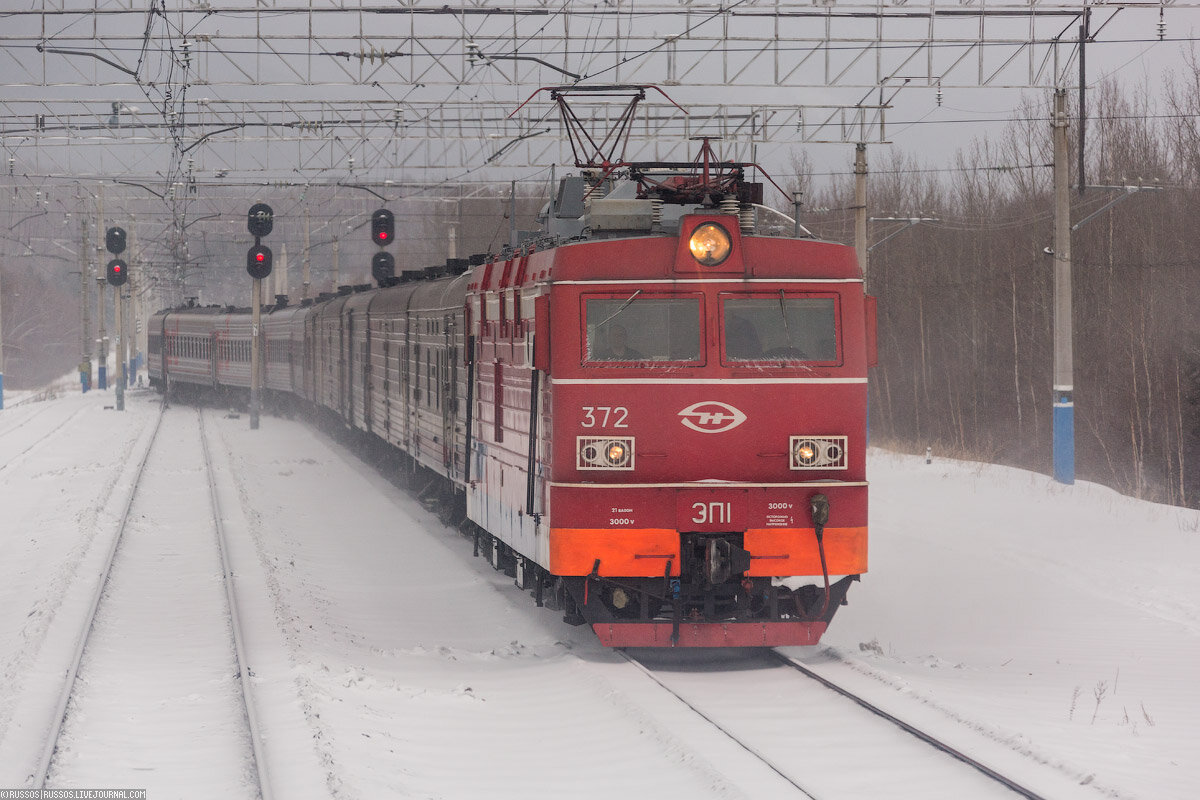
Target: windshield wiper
(622, 307)
(783, 313)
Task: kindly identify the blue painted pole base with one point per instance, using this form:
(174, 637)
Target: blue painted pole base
(103, 378)
(1064, 440)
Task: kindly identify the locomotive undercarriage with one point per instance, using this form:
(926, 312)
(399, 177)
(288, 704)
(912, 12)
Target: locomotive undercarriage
(711, 588)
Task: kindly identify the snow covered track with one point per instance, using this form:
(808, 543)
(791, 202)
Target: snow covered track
(814, 738)
(917, 732)
(32, 434)
(158, 600)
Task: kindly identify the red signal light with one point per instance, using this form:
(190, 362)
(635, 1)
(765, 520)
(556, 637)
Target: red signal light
(258, 261)
(116, 272)
(383, 225)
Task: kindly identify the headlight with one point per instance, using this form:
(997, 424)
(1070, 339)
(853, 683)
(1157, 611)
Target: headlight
(604, 452)
(818, 452)
(710, 244)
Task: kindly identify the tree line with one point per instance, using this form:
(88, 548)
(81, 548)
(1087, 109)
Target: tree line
(966, 301)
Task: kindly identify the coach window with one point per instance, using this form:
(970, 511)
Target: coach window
(636, 328)
(781, 327)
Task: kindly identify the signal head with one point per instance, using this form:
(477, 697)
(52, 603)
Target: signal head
(258, 261)
(383, 267)
(383, 227)
(260, 220)
(114, 240)
(118, 272)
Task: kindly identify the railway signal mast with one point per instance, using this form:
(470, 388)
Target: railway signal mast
(118, 274)
(259, 221)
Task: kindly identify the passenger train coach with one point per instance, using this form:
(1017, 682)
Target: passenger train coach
(653, 415)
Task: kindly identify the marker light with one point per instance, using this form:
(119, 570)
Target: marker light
(710, 244)
(818, 452)
(603, 452)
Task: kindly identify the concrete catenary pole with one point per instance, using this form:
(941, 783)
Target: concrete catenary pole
(85, 361)
(1, 338)
(860, 205)
(281, 272)
(306, 268)
(255, 318)
(133, 323)
(337, 277)
(1064, 382)
(102, 312)
(118, 320)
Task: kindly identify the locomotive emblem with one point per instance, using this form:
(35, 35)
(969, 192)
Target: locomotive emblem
(709, 416)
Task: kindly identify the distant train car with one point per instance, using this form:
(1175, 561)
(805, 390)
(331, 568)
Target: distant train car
(653, 415)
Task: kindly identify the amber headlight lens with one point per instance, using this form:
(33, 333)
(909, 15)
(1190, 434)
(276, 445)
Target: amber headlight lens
(710, 244)
(616, 453)
(806, 453)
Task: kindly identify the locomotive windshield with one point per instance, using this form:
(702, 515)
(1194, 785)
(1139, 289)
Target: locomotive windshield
(639, 328)
(780, 328)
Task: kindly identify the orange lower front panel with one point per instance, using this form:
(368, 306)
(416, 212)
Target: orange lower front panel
(640, 552)
(645, 552)
(793, 551)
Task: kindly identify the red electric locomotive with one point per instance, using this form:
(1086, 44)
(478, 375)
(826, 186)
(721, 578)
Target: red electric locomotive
(653, 413)
(681, 442)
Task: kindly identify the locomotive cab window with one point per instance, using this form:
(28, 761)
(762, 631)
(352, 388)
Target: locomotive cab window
(636, 329)
(778, 328)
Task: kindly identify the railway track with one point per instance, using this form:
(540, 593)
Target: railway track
(158, 678)
(836, 744)
(41, 438)
(927, 738)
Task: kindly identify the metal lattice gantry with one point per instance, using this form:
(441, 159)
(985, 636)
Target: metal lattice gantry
(247, 86)
(773, 43)
(184, 109)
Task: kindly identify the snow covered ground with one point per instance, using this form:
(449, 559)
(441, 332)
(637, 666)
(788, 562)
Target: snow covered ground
(1051, 631)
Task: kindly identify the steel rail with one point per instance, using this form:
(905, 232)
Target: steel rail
(748, 748)
(60, 713)
(239, 645)
(917, 732)
(42, 773)
(39, 442)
